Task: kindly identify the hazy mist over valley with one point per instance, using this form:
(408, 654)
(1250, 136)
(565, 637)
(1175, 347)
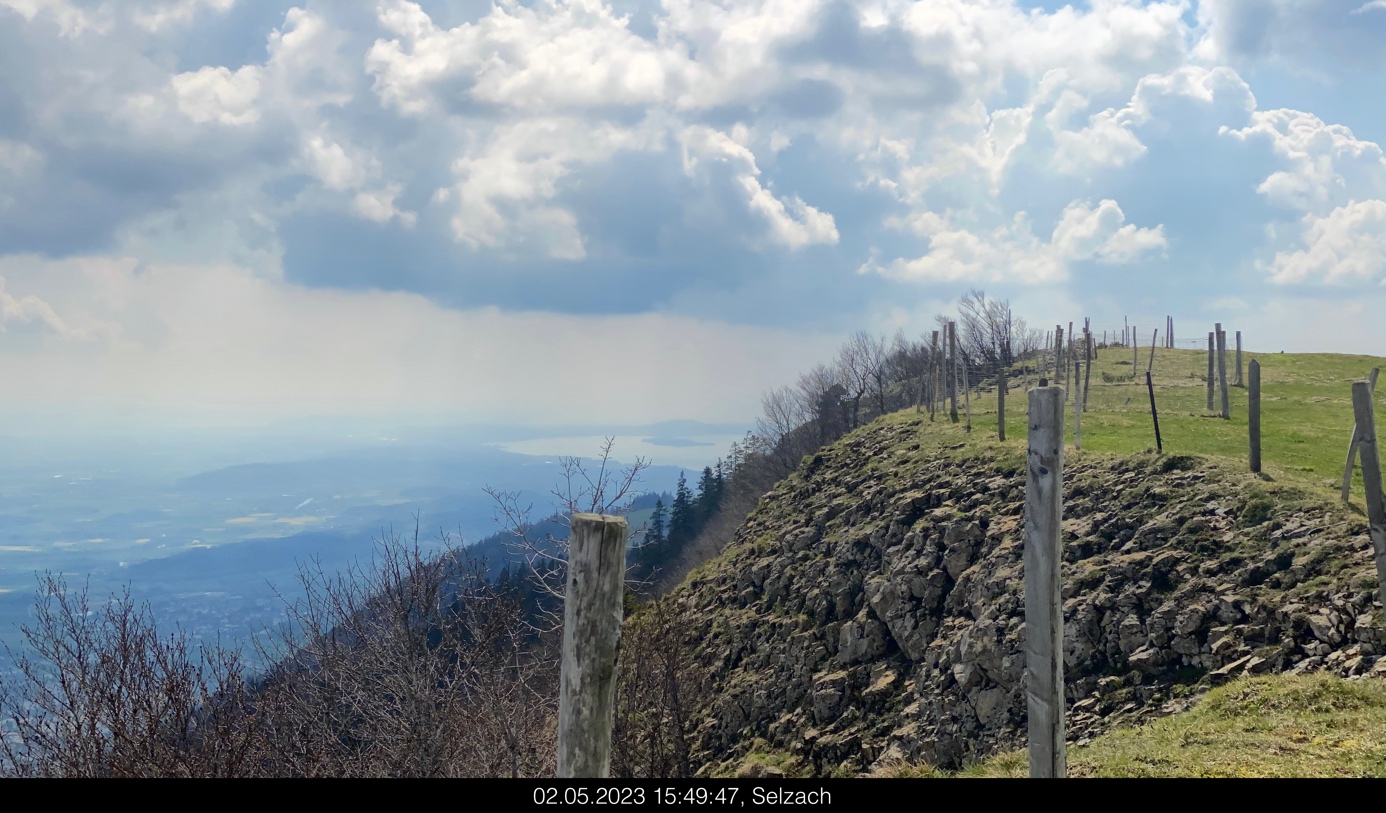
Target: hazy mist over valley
(206, 525)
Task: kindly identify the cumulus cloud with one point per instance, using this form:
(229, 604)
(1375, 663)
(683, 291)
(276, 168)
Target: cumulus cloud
(1012, 253)
(218, 94)
(1346, 245)
(1328, 163)
(792, 222)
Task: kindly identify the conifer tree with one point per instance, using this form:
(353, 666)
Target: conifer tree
(681, 517)
(655, 535)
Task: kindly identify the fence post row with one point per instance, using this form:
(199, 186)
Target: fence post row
(1044, 619)
(1352, 443)
(1371, 478)
(1253, 418)
(592, 610)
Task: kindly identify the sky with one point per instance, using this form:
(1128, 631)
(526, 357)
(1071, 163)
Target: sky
(567, 212)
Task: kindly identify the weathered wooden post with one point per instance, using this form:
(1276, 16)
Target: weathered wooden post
(1135, 352)
(1253, 419)
(1072, 356)
(1077, 406)
(1222, 370)
(1001, 402)
(1352, 443)
(967, 394)
(1170, 334)
(1371, 478)
(1044, 618)
(1059, 352)
(953, 372)
(1154, 416)
(1211, 340)
(933, 376)
(592, 609)
(1087, 366)
(1238, 382)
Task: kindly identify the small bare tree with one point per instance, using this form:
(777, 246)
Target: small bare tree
(600, 488)
(100, 692)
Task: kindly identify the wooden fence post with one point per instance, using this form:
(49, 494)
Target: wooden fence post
(1150, 368)
(1238, 382)
(933, 376)
(1044, 618)
(1058, 352)
(1253, 418)
(967, 394)
(1222, 370)
(952, 372)
(1087, 366)
(1352, 444)
(1135, 351)
(592, 610)
(1077, 405)
(1371, 478)
(1211, 341)
(1001, 403)
(1073, 355)
(1154, 416)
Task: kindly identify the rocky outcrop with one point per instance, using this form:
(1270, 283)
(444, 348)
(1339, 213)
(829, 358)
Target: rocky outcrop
(872, 606)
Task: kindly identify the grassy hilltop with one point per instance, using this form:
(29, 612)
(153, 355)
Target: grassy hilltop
(1306, 409)
(866, 619)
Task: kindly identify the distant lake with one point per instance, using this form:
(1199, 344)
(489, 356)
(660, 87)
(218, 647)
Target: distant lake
(688, 451)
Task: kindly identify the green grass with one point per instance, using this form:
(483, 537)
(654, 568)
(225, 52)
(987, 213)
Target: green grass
(1286, 726)
(1306, 411)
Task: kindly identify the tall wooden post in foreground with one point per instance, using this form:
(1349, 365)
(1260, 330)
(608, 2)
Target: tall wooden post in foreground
(592, 610)
(1371, 479)
(1352, 444)
(1044, 617)
(1253, 418)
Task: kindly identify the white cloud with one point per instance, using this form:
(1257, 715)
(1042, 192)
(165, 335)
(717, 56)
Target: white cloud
(1370, 5)
(793, 223)
(1101, 233)
(218, 94)
(178, 12)
(556, 55)
(1347, 245)
(71, 19)
(1328, 163)
(1012, 253)
(30, 310)
(341, 170)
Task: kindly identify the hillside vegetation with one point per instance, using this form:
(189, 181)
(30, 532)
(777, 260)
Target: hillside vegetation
(869, 612)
